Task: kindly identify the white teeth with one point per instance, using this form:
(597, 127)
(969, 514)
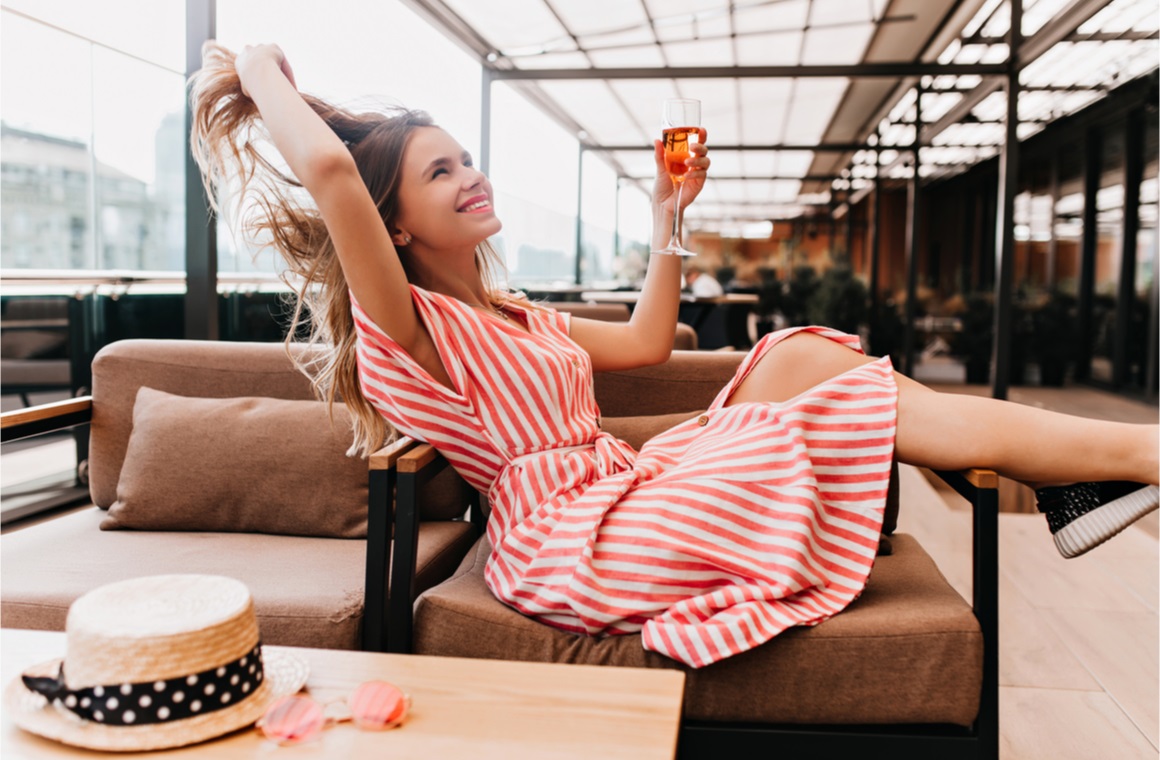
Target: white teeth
(474, 206)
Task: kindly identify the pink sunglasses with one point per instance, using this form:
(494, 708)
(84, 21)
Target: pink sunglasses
(374, 706)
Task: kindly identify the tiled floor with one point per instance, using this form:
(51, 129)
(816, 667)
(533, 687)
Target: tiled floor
(1079, 639)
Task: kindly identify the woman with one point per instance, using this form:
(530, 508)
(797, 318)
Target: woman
(759, 515)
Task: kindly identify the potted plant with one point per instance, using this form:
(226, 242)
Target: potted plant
(840, 301)
(1053, 335)
(974, 342)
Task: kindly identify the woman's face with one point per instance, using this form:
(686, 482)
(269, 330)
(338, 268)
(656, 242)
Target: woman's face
(444, 201)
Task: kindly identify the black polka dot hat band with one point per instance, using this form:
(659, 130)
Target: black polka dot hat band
(135, 704)
(155, 663)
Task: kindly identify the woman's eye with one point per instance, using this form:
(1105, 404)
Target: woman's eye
(437, 172)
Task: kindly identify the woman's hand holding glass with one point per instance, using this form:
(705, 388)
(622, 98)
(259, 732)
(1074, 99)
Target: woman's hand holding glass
(665, 189)
(681, 166)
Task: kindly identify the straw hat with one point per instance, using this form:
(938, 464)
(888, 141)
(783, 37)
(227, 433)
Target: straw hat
(152, 663)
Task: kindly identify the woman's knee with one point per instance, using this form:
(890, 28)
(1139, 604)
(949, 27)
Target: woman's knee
(795, 364)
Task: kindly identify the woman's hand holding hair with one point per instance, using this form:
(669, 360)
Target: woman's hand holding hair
(251, 59)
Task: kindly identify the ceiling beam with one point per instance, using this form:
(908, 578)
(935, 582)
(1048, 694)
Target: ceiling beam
(1129, 35)
(441, 17)
(1062, 26)
(899, 69)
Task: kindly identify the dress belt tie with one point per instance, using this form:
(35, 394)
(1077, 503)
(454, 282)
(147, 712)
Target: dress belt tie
(611, 456)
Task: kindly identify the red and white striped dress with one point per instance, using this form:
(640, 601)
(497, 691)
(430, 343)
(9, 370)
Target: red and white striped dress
(716, 536)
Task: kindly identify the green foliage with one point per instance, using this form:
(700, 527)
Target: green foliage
(799, 292)
(1054, 328)
(840, 300)
(975, 340)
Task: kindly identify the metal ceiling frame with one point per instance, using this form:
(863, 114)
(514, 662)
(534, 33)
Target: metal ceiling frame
(918, 73)
(496, 67)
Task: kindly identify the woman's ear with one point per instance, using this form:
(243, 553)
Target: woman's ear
(401, 238)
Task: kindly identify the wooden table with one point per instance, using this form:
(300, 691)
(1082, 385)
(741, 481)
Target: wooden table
(461, 708)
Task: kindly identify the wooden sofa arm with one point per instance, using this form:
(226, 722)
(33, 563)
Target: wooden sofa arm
(382, 477)
(419, 458)
(388, 456)
(45, 418)
(981, 478)
(981, 489)
(415, 468)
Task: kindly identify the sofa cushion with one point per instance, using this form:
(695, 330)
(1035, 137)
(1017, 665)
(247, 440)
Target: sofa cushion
(909, 650)
(315, 603)
(688, 380)
(251, 465)
(205, 369)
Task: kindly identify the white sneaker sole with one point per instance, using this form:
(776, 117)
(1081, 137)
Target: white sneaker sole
(1089, 531)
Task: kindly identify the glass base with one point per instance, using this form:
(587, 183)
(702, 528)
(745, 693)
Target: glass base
(675, 250)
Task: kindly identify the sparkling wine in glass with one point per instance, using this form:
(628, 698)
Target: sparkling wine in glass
(681, 126)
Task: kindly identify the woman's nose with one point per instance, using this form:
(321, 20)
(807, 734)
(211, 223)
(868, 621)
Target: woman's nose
(472, 177)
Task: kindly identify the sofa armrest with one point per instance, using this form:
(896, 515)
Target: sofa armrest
(417, 467)
(387, 457)
(45, 418)
(382, 467)
(981, 489)
(422, 459)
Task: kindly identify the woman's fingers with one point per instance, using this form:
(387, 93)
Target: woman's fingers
(699, 159)
(289, 72)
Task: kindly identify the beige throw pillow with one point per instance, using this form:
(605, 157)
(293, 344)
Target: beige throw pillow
(252, 465)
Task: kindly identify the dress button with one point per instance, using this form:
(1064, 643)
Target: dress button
(703, 420)
(576, 363)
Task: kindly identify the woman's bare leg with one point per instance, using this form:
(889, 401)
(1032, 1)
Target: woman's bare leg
(948, 431)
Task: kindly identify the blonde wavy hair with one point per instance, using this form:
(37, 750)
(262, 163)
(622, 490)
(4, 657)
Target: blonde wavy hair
(228, 140)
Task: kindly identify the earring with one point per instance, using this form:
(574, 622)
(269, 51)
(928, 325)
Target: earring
(406, 239)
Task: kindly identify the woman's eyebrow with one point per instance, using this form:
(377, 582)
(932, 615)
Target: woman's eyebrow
(434, 165)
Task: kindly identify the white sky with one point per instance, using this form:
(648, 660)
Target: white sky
(344, 50)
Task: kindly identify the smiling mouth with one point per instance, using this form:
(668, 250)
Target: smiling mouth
(480, 205)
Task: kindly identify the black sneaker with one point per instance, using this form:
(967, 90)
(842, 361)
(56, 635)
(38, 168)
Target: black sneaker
(1084, 515)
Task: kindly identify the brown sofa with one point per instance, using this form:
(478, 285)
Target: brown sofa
(213, 457)
(908, 668)
(685, 338)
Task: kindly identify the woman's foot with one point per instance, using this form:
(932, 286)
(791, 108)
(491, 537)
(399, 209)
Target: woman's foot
(1082, 516)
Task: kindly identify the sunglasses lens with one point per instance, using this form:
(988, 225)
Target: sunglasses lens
(292, 719)
(378, 705)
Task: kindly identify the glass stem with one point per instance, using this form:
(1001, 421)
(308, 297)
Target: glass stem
(676, 236)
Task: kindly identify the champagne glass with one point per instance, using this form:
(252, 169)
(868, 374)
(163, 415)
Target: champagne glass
(682, 123)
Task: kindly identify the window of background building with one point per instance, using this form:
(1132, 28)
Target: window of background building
(1068, 218)
(1109, 248)
(1143, 314)
(87, 96)
(105, 100)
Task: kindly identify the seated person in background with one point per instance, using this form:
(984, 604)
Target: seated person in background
(701, 283)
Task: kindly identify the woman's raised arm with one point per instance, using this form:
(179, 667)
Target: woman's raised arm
(324, 166)
(647, 338)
